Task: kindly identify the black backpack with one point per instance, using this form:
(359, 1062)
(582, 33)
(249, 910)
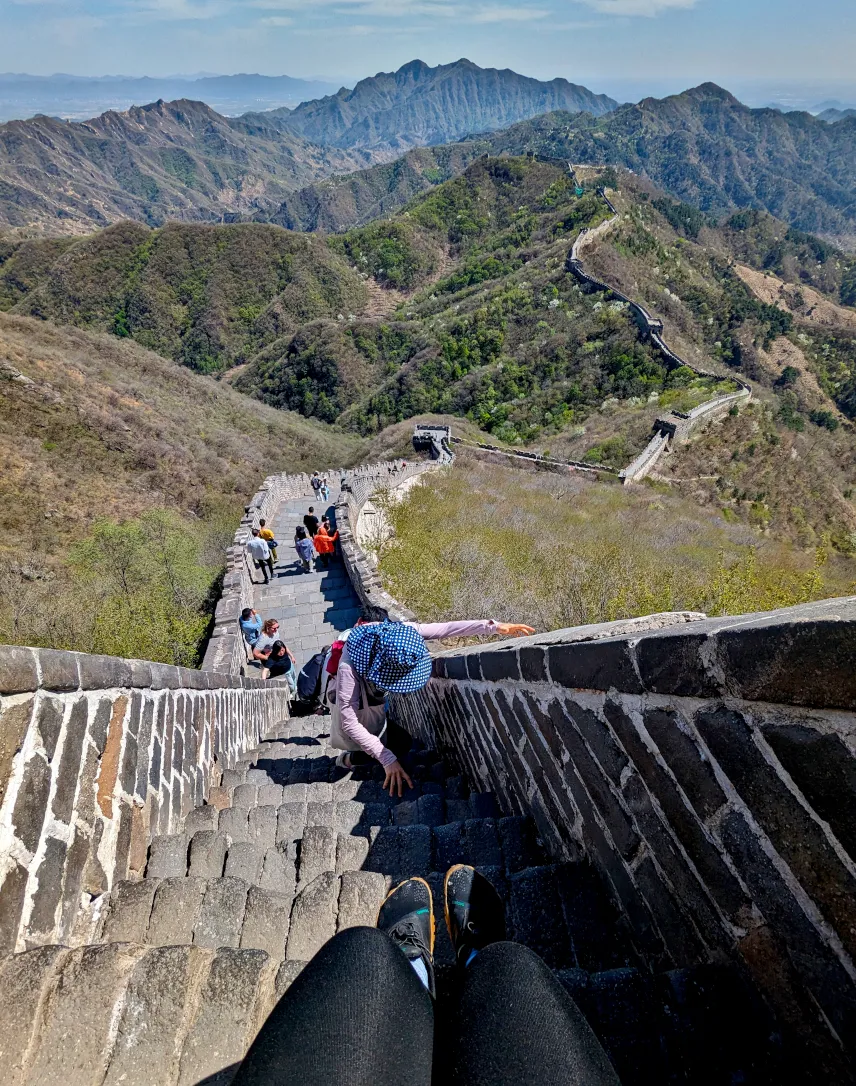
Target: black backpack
(309, 678)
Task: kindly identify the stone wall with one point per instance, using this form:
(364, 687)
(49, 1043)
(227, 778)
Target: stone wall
(97, 756)
(361, 567)
(709, 771)
(225, 652)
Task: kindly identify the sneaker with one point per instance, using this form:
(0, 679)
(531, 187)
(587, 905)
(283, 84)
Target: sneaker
(475, 913)
(407, 917)
(343, 761)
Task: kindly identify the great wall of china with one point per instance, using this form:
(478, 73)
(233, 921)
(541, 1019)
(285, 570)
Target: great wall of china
(666, 803)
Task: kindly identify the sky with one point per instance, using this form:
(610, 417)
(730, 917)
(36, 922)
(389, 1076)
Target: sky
(761, 49)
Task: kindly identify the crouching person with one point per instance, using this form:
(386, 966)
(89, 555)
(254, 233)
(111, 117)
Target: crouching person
(382, 657)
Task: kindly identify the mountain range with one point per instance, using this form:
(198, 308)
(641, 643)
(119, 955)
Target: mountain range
(336, 162)
(182, 160)
(79, 98)
(419, 105)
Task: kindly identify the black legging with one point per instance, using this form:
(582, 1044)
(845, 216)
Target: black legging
(359, 1016)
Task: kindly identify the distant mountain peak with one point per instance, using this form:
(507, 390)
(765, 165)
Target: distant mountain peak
(418, 105)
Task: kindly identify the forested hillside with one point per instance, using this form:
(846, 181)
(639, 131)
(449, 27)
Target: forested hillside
(123, 476)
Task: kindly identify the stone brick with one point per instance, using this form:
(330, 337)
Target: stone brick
(482, 843)
(598, 736)
(46, 898)
(360, 897)
(455, 667)
(128, 775)
(279, 872)
(24, 982)
(99, 722)
(270, 795)
(108, 771)
(816, 963)
(123, 843)
(533, 663)
(536, 916)
(244, 861)
(618, 822)
(82, 1006)
(266, 922)
(797, 837)
(144, 743)
(499, 664)
(18, 674)
(13, 892)
(286, 976)
(202, 818)
(175, 911)
(717, 877)
(669, 662)
(313, 917)
(291, 820)
(167, 857)
(31, 803)
(244, 796)
(165, 677)
(824, 770)
(317, 853)
(103, 672)
(127, 920)
(141, 674)
(680, 940)
(14, 721)
(160, 991)
(473, 661)
(226, 1018)
(685, 759)
(208, 854)
(234, 821)
(351, 852)
(689, 892)
(803, 662)
(58, 669)
(75, 864)
(262, 826)
(596, 665)
(222, 913)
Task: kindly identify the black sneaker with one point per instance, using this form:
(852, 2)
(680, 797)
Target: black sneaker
(407, 917)
(475, 913)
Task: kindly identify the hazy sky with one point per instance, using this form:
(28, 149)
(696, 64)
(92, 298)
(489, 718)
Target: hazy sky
(611, 45)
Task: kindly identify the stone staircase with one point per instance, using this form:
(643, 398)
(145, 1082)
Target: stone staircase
(184, 965)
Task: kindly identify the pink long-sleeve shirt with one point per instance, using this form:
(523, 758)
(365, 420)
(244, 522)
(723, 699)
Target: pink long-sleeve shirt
(348, 691)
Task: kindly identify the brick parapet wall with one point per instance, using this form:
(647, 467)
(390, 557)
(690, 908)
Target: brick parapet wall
(708, 769)
(361, 567)
(98, 755)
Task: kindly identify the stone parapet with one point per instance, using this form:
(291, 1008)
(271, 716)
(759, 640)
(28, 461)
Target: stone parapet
(97, 756)
(361, 567)
(706, 766)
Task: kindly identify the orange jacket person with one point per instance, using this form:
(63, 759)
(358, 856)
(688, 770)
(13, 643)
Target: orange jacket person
(325, 545)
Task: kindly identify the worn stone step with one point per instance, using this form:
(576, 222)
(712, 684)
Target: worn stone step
(167, 857)
(536, 915)
(221, 914)
(313, 917)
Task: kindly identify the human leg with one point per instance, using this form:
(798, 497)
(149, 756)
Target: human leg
(358, 1015)
(515, 1024)
(270, 567)
(263, 567)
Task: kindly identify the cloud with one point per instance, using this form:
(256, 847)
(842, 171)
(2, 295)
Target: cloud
(638, 7)
(498, 14)
(179, 10)
(276, 20)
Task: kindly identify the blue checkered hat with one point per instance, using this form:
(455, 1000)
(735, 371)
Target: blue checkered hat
(392, 655)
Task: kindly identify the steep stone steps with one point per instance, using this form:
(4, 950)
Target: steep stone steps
(187, 962)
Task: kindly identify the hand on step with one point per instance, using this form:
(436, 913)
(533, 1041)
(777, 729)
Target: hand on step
(395, 779)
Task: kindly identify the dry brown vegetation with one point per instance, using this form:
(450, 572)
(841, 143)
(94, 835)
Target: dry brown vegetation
(107, 447)
(563, 551)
